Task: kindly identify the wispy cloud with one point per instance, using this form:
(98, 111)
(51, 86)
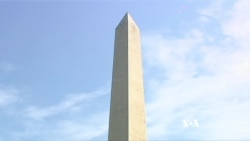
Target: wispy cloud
(71, 102)
(47, 123)
(8, 96)
(6, 66)
(84, 130)
(203, 76)
(86, 127)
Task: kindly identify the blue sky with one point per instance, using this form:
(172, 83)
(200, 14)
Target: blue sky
(56, 65)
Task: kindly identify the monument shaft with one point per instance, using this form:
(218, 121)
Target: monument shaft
(127, 110)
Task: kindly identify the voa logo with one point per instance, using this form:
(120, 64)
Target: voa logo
(191, 123)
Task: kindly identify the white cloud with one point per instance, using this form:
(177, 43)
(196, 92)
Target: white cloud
(71, 102)
(8, 96)
(5, 66)
(47, 123)
(237, 26)
(215, 9)
(199, 80)
(87, 127)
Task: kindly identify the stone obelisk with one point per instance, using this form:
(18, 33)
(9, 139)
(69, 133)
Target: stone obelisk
(127, 121)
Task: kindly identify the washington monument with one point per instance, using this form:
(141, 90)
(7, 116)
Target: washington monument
(127, 121)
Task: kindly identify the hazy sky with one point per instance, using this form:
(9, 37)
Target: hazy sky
(56, 66)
